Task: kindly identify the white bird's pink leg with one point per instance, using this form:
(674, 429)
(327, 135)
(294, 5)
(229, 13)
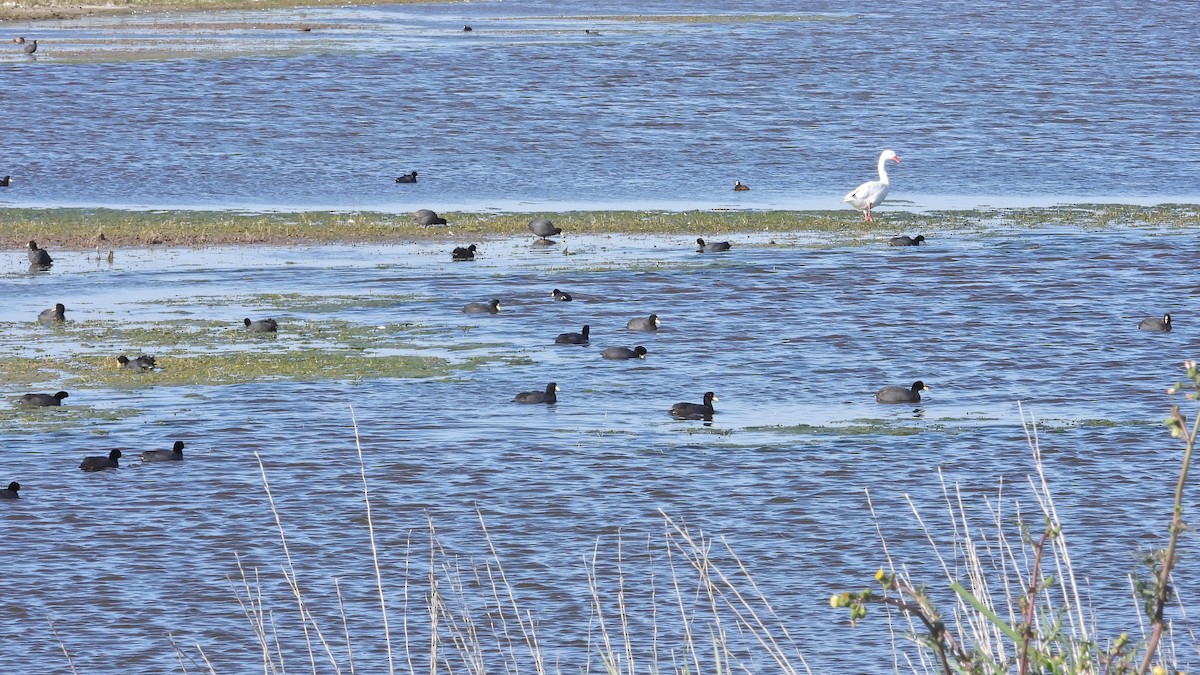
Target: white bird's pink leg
(867, 215)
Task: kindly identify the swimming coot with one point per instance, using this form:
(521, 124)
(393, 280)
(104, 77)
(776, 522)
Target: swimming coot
(31, 47)
(738, 187)
(38, 256)
(11, 492)
(408, 178)
(580, 338)
(643, 324)
(901, 394)
(43, 400)
(619, 353)
(905, 240)
(175, 454)
(463, 252)
(561, 296)
(1162, 325)
(543, 228)
(4, 182)
(548, 396)
(492, 307)
(713, 247)
(695, 411)
(56, 315)
(101, 463)
(140, 364)
(261, 326)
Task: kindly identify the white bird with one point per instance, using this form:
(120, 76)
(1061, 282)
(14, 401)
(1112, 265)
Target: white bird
(872, 193)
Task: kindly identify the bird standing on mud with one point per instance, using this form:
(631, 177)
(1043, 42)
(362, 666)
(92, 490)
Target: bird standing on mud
(872, 193)
(543, 228)
(38, 256)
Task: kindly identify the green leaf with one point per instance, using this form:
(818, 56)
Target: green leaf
(982, 609)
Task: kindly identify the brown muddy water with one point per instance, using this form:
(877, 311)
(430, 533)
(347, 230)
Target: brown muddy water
(794, 334)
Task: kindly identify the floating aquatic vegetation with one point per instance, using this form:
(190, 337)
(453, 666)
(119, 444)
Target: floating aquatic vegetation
(252, 366)
(698, 18)
(881, 429)
(18, 419)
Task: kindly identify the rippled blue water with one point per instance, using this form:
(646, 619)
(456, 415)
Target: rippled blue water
(794, 337)
(988, 104)
(985, 105)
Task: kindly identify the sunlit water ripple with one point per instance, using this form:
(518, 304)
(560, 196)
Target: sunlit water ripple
(999, 106)
(1002, 105)
(787, 334)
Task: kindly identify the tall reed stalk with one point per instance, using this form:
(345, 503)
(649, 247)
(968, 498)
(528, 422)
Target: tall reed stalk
(1042, 624)
(1017, 607)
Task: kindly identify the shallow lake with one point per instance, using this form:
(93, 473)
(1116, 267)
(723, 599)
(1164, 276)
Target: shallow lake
(664, 104)
(794, 333)
(560, 106)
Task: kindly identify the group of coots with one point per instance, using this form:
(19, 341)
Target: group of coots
(142, 363)
(57, 315)
(30, 45)
(543, 229)
(583, 337)
(112, 461)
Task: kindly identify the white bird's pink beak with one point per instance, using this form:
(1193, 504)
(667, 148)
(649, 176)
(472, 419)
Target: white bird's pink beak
(897, 159)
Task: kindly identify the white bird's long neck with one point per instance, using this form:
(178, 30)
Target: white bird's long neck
(883, 177)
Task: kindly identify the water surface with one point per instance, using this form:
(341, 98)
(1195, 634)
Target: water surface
(664, 105)
(794, 336)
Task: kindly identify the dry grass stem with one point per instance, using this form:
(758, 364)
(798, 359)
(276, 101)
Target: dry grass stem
(528, 633)
(178, 653)
(63, 646)
(253, 613)
(607, 658)
(887, 556)
(337, 587)
(387, 634)
(1063, 567)
(289, 575)
(696, 553)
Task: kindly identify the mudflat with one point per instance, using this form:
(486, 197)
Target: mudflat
(92, 228)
